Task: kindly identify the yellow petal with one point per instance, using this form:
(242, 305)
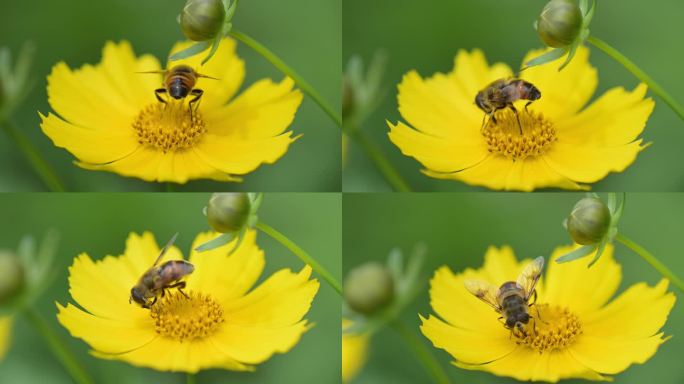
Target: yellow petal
(472, 73)
(354, 352)
(165, 354)
(618, 117)
(282, 300)
(500, 173)
(227, 277)
(526, 364)
(5, 335)
(564, 92)
(473, 347)
(122, 67)
(587, 163)
(256, 344)
(240, 157)
(625, 316)
(225, 66)
(262, 111)
(436, 153)
(611, 356)
(574, 286)
(107, 335)
(437, 106)
(90, 145)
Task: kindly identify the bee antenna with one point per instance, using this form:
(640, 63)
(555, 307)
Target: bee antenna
(207, 77)
(152, 72)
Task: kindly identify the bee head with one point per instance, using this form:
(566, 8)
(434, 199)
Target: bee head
(479, 101)
(137, 296)
(535, 94)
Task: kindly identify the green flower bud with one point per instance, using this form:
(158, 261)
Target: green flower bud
(12, 273)
(589, 221)
(228, 212)
(559, 23)
(202, 20)
(368, 288)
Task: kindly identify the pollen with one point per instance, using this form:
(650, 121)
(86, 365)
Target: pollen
(505, 138)
(186, 318)
(169, 127)
(551, 327)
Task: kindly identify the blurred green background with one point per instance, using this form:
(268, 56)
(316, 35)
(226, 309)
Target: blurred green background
(305, 33)
(458, 228)
(100, 223)
(425, 35)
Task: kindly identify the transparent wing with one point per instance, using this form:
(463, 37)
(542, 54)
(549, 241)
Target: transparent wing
(165, 249)
(530, 275)
(483, 291)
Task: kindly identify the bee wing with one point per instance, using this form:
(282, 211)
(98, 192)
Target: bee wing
(530, 275)
(483, 291)
(165, 249)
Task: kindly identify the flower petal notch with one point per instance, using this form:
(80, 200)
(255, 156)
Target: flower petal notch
(557, 141)
(221, 318)
(130, 116)
(575, 329)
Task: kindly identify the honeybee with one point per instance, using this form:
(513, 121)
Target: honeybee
(511, 300)
(179, 82)
(502, 93)
(158, 279)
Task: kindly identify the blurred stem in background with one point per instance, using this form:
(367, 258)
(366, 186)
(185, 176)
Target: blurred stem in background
(190, 378)
(652, 260)
(61, 351)
(424, 355)
(361, 94)
(14, 86)
(638, 73)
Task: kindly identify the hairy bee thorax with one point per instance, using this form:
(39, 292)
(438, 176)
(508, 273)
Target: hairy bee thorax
(169, 127)
(186, 318)
(551, 327)
(503, 136)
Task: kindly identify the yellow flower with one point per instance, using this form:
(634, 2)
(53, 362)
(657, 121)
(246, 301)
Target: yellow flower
(580, 335)
(5, 328)
(110, 120)
(224, 324)
(354, 352)
(563, 142)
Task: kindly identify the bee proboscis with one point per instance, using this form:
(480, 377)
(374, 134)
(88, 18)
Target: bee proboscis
(512, 299)
(502, 93)
(158, 279)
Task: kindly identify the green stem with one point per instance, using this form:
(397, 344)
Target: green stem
(426, 358)
(42, 168)
(655, 263)
(190, 378)
(641, 75)
(280, 64)
(294, 248)
(384, 166)
(169, 187)
(65, 356)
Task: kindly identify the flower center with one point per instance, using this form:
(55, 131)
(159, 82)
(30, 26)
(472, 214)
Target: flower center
(551, 328)
(169, 127)
(504, 137)
(186, 318)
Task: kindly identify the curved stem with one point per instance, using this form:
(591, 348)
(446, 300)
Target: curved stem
(655, 263)
(65, 356)
(280, 64)
(294, 248)
(384, 166)
(641, 75)
(40, 166)
(426, 358)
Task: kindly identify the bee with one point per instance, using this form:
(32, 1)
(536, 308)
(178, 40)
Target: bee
(502, 93)
(512, 299)
(179, 82)
(158, 279)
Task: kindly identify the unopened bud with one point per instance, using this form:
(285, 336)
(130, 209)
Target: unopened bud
(559, 23)
(12, 273)
(368, 288)
(228, 212)
(589, 221)
(202, 20)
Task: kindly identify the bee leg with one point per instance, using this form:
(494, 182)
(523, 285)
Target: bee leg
(527, 104)
(197, 93)
(157, 94)
(180, 285)
(517, 117)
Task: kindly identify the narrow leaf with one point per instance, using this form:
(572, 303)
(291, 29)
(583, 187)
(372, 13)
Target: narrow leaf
(578, 253)
(192, 50)
(219, 241)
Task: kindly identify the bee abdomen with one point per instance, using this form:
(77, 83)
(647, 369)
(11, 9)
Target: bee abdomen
(175, 270)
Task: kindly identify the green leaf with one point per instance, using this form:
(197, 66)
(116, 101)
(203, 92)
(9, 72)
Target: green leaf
(571, 54)
(219, 241)
(214, 48)
(578, 253)
(599, 251)
(611, 203)
(190, 51)
(547, 57)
